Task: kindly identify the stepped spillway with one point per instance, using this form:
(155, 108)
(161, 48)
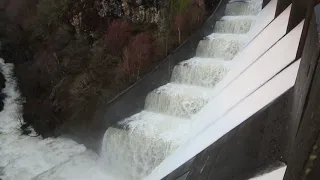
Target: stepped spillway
(136, 145)
(139, 143)
(224, 46)
(208, 71)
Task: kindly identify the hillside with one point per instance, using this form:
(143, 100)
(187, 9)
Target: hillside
(70, 56)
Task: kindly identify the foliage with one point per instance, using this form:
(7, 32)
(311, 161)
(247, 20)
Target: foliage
(73, 71)
(136, 58)
(140, 49)
(179, 23)
(188, 17)
(179, 6)
(51, 11)
(118, 35)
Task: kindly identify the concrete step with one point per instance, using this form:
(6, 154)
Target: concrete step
(224, 46)
(234, 24)
(177, 99)
(238, 8)
(205, 72)
(142, 143)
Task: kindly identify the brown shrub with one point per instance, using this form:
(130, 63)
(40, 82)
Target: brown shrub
(136, 59)
(179, 22)
(140, 49)
(51, 11)
(195, 15)
(188, 19)
(118, 35)
(68, 82)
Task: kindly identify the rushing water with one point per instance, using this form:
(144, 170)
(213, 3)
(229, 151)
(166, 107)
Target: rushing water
(23, 157)
(146, 138)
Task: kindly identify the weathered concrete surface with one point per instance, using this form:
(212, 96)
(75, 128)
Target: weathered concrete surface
(269, 135)
(304, 159)
(258, 142)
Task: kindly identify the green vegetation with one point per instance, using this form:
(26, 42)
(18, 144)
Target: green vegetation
(51, 11)
(179, 6)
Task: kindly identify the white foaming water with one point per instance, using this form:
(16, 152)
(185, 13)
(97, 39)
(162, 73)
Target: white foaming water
(200, 71)
(138, 144)
(84, 166)
(23, 157)
(178, 99)
(145, 140)
(234, 24)
(224, 46)
(237, 8)
(133, 148)
(10, 105)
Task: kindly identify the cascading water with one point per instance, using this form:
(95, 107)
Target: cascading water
(145, 139)
(23, 157)
(208, 71)
(237, 8)
(135, 146)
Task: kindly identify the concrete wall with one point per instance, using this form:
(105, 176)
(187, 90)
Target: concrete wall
(267, 136)
(305, 115)
(258, 142)
(276, 174)
(207, 164)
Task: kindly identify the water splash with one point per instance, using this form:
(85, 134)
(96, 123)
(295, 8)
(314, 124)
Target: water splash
(173, 99)
(200, 71)
(12, 109)
(23, 157)
(224, 46)
(139, 143)
(237, 8)
(234, 24)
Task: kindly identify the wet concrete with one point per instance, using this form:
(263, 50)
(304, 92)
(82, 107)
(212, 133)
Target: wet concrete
(257, 143)
(287, 130)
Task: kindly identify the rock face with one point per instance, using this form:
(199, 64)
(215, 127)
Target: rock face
(140, 11)
(136, 11)
(109, 8)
